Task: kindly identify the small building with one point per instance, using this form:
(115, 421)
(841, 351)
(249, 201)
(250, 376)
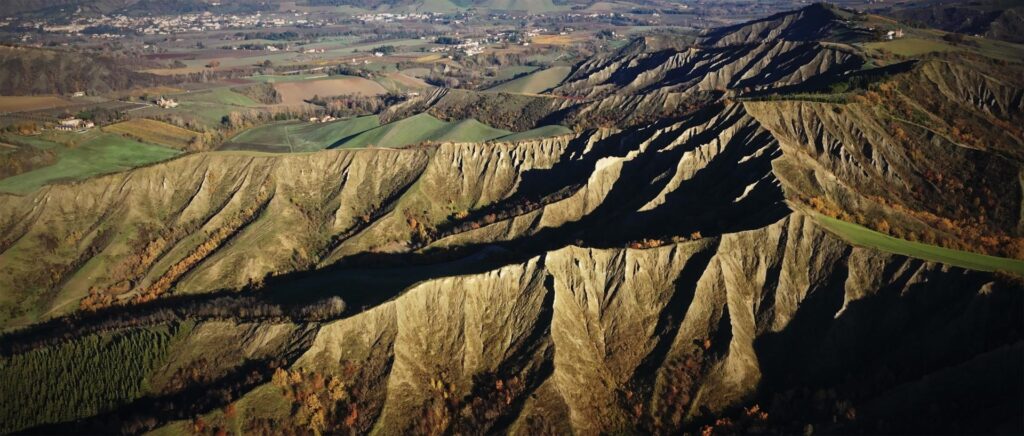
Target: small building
(323, 119)
(78, 94)
(167, 103)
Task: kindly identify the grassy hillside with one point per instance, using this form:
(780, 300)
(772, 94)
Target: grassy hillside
(863, 236)
(926, 41)
(997, 19)
(398, 82)
(423, 127)
(205, 108)
(468, 130)
(535, 83)
(104, 153)
(540, 132)
(153, 132)
(295, 136)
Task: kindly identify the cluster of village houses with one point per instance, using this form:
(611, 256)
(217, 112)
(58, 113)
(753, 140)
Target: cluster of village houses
(172, 24)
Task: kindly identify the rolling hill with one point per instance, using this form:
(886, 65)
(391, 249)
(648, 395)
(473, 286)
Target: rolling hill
(292, 136)
(422, 128)
(997, 19)
(534, 83)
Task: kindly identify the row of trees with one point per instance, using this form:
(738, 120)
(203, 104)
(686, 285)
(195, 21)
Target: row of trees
(25, 159)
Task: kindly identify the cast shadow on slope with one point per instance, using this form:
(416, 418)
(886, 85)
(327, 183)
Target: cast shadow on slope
(369, 279)
(923, 322)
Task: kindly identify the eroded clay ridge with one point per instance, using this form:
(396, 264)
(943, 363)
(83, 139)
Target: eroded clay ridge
(218, 221)
(226, 220)
(593, 341)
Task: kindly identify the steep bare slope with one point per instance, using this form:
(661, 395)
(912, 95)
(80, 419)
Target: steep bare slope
(770, 64)
(610, 340)
(817, 22)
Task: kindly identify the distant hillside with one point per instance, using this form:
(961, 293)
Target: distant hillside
(533, 6)
(996, 19)
(818, 22)
(25, 71)
(16, 7)
(132, 7)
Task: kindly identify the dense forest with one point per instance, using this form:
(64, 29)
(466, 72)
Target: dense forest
(26, 71)
(81, 378)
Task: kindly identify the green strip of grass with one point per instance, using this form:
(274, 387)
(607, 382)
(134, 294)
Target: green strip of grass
(863, 236)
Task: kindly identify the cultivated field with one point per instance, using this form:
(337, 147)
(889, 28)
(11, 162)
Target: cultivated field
(423, 127)
(221, 96)
(298, 136)
(559, 39)
(508, 72)
(297, 92)
(401, 82)
(206, 107)
(535, 83)
(103, 153)
(277, 78)
(530, 6)
(153, 132)
(154, 90)
(19, 103)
